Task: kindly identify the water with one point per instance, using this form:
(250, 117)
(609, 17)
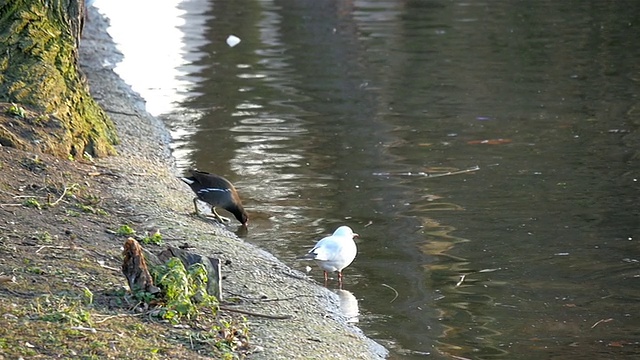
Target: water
(486, 153)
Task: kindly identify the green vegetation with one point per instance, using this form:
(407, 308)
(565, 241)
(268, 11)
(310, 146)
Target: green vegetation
(32, 203)
(62, 310)
(125, 230)
(45, 237)
(16, 110)
(184, 290)
(155, 239)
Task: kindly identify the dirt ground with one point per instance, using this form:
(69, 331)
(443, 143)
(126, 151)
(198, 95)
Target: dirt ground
(62, 293)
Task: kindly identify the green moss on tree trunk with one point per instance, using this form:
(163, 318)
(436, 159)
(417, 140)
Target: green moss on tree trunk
(39, 70)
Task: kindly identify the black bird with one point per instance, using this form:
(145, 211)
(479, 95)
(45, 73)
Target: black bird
(217, 192)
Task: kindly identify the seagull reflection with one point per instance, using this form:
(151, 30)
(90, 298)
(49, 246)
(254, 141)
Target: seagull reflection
(348, 305)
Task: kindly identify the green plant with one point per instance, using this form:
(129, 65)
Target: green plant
(73, 213)
(91, 199)
(145, 297)
(40, 119)
(32, 203)
(16, 110)
(87, 296)
(155, 239)
(125, 230)
(86, 208)
(232, 336)
(34, 270)
(185, 291)
(45, 237)
(62, 310)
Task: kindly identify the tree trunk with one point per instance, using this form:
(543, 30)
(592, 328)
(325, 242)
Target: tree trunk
(39, 74)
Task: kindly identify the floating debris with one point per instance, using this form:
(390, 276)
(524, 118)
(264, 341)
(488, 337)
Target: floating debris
(394, 290)
(428, 174)
(233, 40)
(490, 142)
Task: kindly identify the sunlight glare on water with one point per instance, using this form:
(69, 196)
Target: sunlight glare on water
(148, 32)
(161, 40)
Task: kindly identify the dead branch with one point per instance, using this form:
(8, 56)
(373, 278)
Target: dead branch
(464, 171)
(59, 247)
(64, 192)
(429, 175)
(115, 316)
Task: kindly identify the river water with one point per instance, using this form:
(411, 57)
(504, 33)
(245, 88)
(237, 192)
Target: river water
(485, 151)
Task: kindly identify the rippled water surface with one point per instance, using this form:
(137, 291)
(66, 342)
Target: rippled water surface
(486, 153)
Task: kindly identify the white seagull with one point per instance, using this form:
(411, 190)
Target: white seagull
(335, 252)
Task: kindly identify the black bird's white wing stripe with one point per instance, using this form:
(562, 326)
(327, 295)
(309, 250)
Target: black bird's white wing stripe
(210, 190)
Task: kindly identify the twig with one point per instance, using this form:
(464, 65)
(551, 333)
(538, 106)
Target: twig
(100, 173)
(82, 328)
(276, 317)
(108, 267)
(116, 316)
(286, 299)
(394, 290)
(64, 192)
(458, 357)
(471, 169)
(60, 247)
(461, 280)
(601, 321)
(430, 175)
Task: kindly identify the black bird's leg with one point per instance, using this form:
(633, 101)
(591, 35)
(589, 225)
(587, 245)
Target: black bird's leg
(222, 219)
(195, 204)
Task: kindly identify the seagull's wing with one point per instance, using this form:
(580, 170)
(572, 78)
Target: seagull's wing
(327, 249)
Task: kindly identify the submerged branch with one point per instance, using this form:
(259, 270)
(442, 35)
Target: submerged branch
(429, 175)
(394, 290)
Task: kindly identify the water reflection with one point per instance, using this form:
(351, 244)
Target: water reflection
(163, 75)
(348, 305)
